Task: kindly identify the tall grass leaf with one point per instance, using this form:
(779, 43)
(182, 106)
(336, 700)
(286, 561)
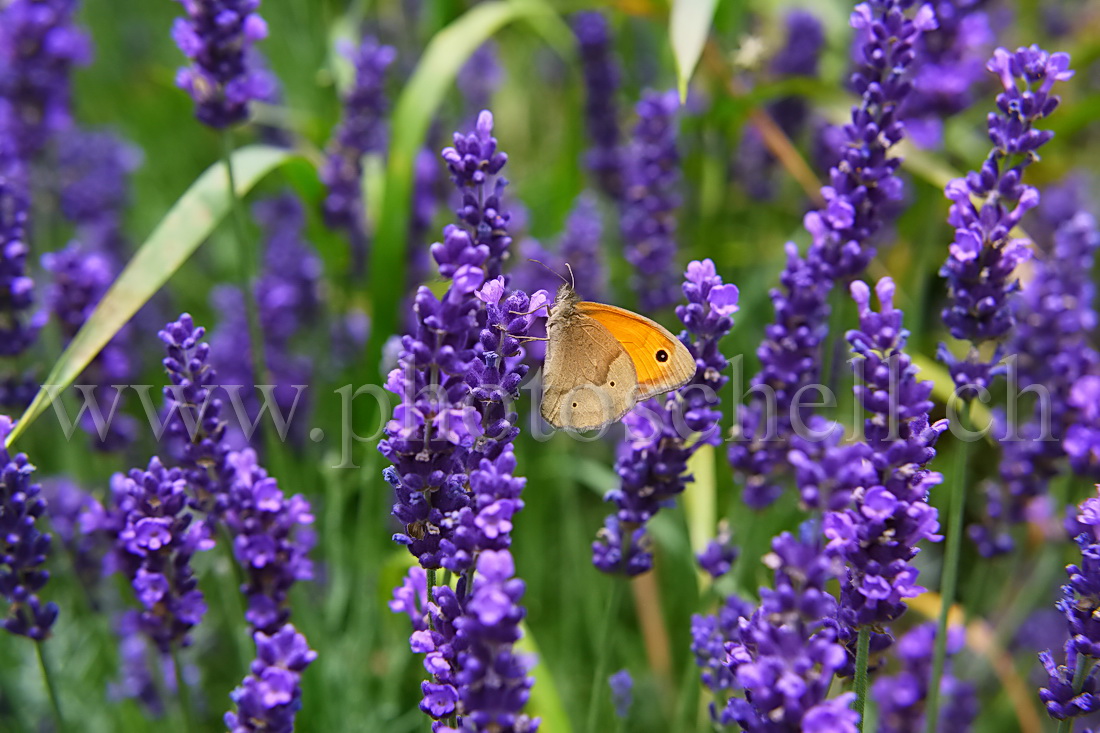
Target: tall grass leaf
(943, 387)
(186, 226)
(415, 109)
(545, 701)
(688, 28)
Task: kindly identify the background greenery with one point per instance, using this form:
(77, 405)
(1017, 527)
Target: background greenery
(365, 677)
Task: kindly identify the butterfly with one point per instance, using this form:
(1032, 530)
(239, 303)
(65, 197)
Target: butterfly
(601, 360)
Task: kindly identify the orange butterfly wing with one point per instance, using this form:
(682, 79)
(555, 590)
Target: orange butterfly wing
(660, 360)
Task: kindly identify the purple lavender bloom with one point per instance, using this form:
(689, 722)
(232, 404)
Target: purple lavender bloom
(20, 324)
(980, 269)
(1050, 344)
(622, 692)
(480, 76)
(195, 423)
(787, 653)
(269, 698)
(23, 548)
(652, 461)
(602, 79)
(411, 598)
(362, 130)
(1065, 696)
(650, 199)
(579, 246)
(492, 680)
(155, 536)
(900, 697)
(950, 62)
(475, 165)
(450, 442)
(67, 504)
(720, 554)
(1082, 441)
(710, 637)
(862, 185)
(271, 540)
(216, 36)
(877, 535)
(39, 47)
(94, 168)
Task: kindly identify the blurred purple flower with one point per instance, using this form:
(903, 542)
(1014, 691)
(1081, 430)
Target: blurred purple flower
(94, 169)
(81, 276)
(216, 35)
(480, 76)
(720, 554)
(23, 547)
(950, 62)
(622, 692)
(362, 130)
(1050, 344)
(19, 322)
(269, 698)
(862, 185)
(39, 47)
(602, 79)
(980, 268)
(652, 460)
(651, 199)
(900, 697)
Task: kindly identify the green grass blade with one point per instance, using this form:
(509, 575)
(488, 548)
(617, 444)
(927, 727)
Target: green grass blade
(688, 28)
(187, 225)
(545, 702)
(413, 113)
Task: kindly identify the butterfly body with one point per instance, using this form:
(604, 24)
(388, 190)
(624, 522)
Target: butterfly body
(601, 360)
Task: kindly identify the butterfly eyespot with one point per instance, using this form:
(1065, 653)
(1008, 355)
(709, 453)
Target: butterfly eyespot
(662, 355)
(611, 384)
(574, 404)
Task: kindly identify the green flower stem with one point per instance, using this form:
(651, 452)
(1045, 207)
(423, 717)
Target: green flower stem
(51, 689)
(955, 517)
(599, 678)
(863, 650)
(183, 692)
(430, 573)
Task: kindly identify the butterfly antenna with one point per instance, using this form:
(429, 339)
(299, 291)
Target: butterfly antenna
(550, 269)
(572, 279)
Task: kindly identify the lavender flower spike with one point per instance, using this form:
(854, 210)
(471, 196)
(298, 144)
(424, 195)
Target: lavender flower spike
(877, 535)
(980, 269)
(155, 538)
(39, 46)
(650, 199)
(601, 81)
(787, 653)
(19, 323)
(216, 36)
(23, 547)
(1066, 696)
(861, 185)
(271, 540)
(269, 698)
(362, 129)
